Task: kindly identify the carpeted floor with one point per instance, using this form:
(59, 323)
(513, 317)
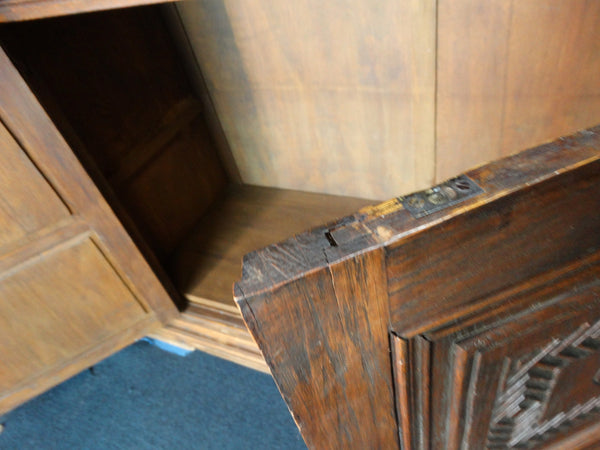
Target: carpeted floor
(145, 398)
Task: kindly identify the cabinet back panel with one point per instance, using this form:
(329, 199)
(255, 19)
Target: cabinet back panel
(334, 97)
(512, 75)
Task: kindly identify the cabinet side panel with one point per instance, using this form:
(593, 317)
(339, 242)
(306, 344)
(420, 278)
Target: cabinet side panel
(128, 113)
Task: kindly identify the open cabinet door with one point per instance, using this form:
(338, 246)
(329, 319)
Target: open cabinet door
(73, 286)
(464, 316)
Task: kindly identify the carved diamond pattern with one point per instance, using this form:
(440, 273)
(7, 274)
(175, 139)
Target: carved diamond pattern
(520, 417)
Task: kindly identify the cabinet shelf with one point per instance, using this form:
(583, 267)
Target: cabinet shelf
(247, 218)
(208, 261)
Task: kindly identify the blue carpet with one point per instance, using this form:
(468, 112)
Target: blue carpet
(146, 398)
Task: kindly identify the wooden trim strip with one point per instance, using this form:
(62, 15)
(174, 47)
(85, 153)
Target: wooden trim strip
(19, 10)
(37, 246)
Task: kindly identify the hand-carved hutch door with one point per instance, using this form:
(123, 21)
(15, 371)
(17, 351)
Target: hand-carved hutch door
(73, 286)
(463, 316)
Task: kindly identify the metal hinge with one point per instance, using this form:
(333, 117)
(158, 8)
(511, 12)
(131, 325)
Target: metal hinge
(443, 195)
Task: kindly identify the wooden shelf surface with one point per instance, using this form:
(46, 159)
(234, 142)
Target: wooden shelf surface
(209, 261)
(247, 218)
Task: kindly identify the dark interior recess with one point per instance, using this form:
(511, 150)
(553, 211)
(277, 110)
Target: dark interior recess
(115, 84)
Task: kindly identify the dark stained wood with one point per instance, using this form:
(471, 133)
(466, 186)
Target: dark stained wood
(330, 359)
(523, 234)
(17, 10)
(114, 75)
(584, 439)
(113, 83)
(461, 302)
(493, 360)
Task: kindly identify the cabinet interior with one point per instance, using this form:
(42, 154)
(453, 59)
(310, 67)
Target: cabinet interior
(116, 85)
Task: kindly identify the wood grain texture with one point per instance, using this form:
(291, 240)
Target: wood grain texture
(181, 39)
(335, 98)
(18, 10)
(412, 381)
(207, 262)
(561, 230)
(46, 318)
(511, 75)
(74, 287)
(131, 111)
(82, 360)
(218, 332)
(522, 373)
(247, 218)
(331, 362)
(37, 135)
(27, 201)
(505, 273)
(585, 439)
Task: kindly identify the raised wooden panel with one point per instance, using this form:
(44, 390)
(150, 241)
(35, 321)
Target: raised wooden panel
(55, 306)
(28, 122)
(560, 231)
(27, 201)
(334, 97)
(519, 374)
(513, 74)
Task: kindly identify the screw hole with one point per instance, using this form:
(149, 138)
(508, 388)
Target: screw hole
(462, 185)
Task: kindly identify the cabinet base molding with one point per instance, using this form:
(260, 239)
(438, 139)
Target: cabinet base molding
(217, 333)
